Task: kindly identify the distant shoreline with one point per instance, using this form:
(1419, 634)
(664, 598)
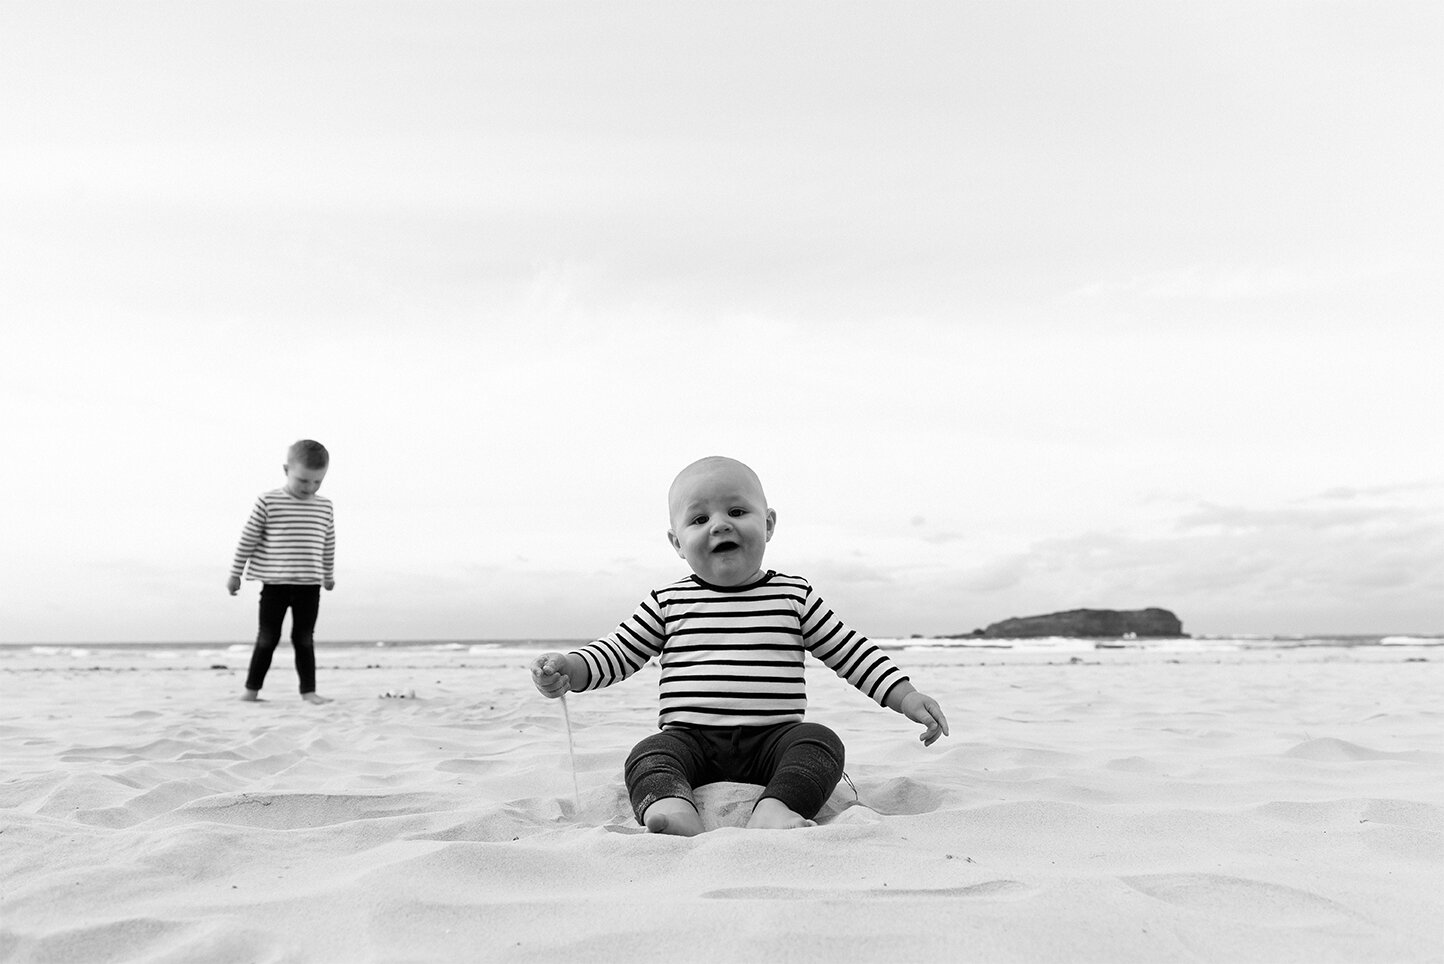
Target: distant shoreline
(891, 642)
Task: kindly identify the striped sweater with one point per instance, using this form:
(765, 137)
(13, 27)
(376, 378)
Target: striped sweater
(734, 656)
(288, 540)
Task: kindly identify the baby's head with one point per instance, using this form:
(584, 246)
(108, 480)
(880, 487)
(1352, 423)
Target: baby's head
(306, 464)
(720, 520)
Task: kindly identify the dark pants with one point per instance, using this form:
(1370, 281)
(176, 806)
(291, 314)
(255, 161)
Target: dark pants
(304, 603)
(797, 763)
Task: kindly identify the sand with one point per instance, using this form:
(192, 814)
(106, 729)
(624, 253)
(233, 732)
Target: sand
(1131, 807)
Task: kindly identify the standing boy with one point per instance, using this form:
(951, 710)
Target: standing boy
(290, 543)
(731, 640)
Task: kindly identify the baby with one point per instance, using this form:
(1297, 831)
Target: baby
(731, 639)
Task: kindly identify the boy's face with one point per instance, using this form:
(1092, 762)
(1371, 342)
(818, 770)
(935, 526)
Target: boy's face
(720, 522)
(301, 481)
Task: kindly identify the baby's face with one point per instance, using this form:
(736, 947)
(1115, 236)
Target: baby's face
(303, 482)
(721, 523)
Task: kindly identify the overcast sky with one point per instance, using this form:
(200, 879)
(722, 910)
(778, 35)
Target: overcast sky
(1014, 307)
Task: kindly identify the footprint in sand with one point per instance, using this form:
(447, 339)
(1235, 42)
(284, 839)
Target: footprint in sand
(115, 940)
(1329, 750)
(1404, 813)
(901, 796)
(1237, 898)
(297, 811)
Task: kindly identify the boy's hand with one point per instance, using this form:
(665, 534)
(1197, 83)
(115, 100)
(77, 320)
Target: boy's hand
(549, 674)
(330, 584)
(233, 585)
(921, 708)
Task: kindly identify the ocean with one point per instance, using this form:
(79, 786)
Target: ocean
(421, 653)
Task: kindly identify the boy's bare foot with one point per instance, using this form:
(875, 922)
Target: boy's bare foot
(772, 814)
(252, 696)
(314, 698)
(673, 815)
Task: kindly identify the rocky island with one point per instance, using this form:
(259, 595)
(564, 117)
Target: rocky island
(1156, 623)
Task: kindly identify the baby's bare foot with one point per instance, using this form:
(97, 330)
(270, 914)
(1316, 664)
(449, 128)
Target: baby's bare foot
(252, 696)
(673, 816)
(314, 698)
(772, 814)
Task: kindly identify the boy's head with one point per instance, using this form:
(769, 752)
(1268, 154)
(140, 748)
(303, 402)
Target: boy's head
(306, 464)
(720, 520)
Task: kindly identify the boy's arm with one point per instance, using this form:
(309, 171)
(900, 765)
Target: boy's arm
(250, 538)
(904, 698)
(328, 556)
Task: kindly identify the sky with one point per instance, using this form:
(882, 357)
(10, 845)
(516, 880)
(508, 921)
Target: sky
(1013, 307)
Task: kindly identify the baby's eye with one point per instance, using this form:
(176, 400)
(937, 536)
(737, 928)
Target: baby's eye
(699, 520)
(736, 512)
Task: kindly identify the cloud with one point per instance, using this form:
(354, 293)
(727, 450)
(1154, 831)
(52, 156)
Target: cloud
(844, 573)
(1239, 518)
(1369, 565)
(1400, 489)
(1002, 574)
(1227, 283)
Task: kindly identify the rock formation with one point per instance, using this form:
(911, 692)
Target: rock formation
(1089, 622)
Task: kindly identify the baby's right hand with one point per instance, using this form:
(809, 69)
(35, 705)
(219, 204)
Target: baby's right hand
(549, 674)
(233, 585)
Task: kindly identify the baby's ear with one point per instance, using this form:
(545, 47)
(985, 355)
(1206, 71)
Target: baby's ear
(771, 523)
(676, 543)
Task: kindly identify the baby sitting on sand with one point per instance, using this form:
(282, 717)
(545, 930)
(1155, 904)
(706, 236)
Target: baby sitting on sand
(731, 639)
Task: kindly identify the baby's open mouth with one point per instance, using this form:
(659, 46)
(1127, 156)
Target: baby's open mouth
(724, 547)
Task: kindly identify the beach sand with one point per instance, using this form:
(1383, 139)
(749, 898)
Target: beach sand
(1282, 806)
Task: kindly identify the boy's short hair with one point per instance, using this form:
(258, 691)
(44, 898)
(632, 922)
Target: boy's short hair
(308, 454)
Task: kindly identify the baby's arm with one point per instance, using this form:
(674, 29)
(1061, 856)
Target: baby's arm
(920, 708)
(555, 673)
(613, 658)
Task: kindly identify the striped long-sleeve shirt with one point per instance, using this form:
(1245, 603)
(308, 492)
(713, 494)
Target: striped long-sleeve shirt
(733, 657)
(288, 540)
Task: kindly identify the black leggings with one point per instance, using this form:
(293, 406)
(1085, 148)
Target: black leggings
(797, 763)
(304, 603)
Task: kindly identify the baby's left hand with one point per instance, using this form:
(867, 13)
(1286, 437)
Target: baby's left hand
(921, 708)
